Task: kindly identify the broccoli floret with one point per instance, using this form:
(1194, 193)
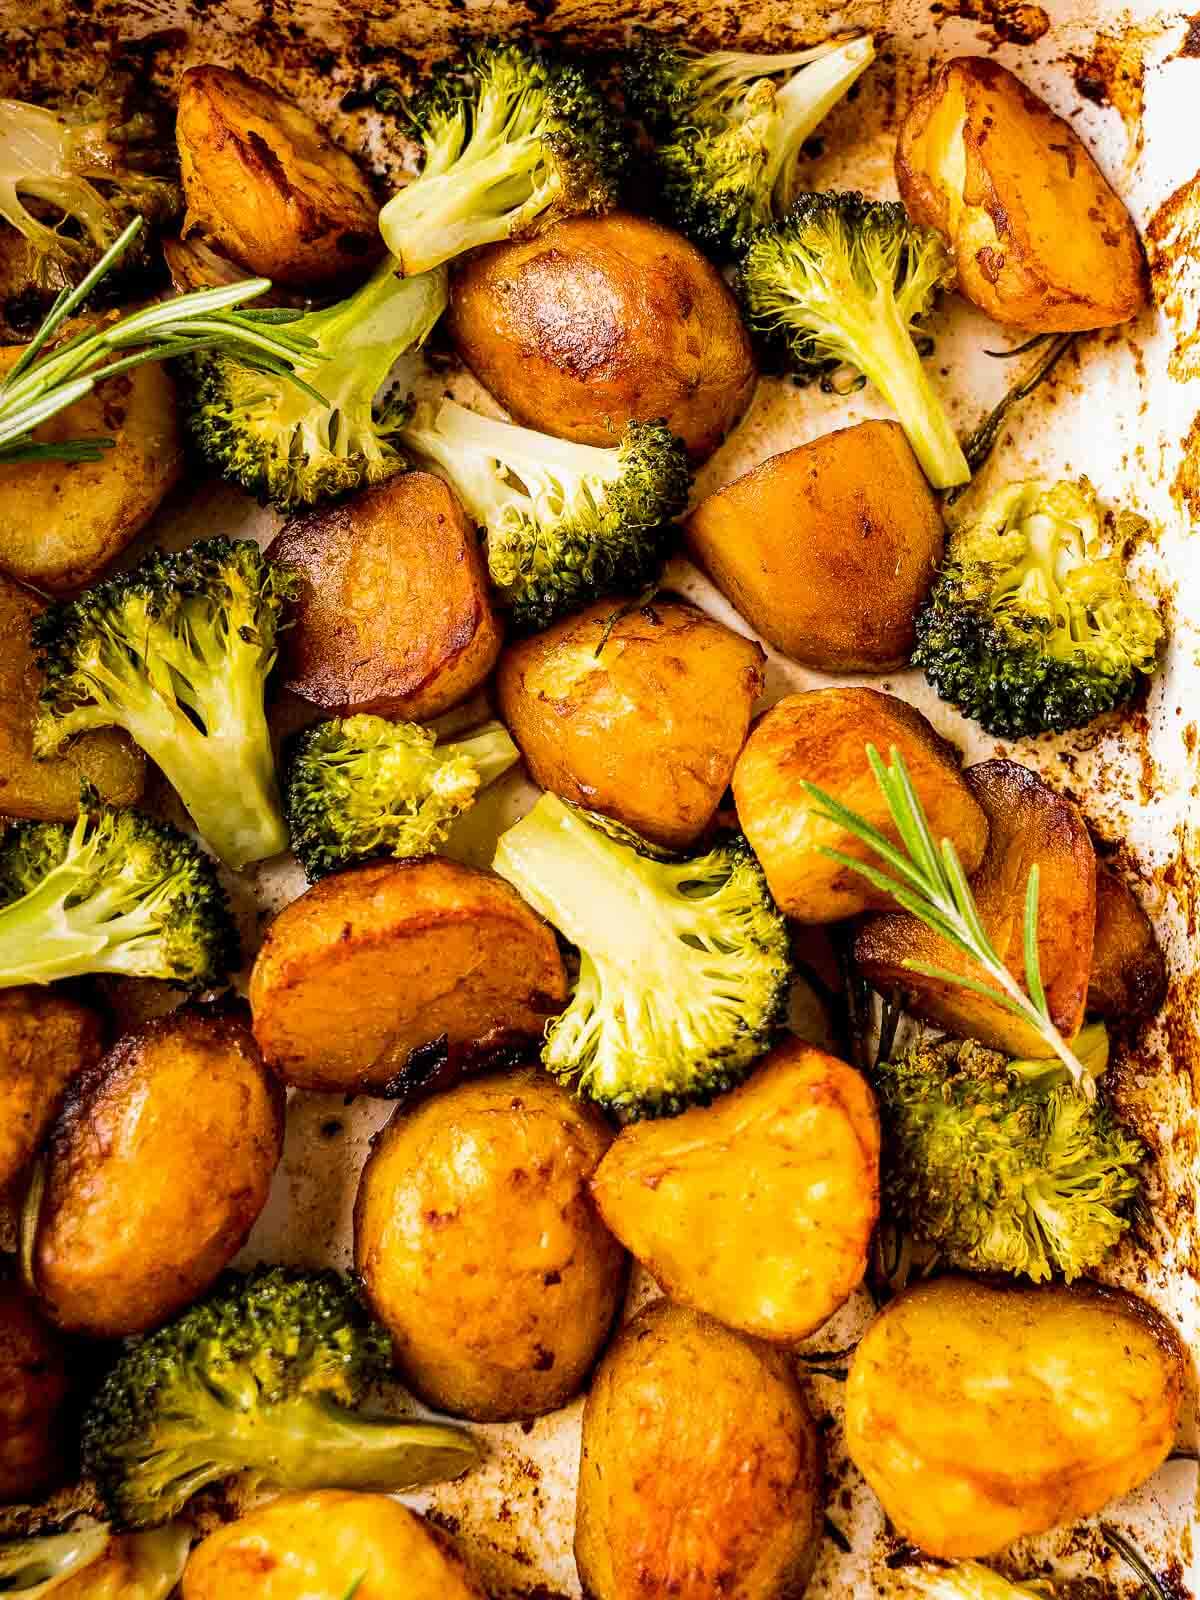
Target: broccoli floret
(116, 892)
(294, 444)
(151, 1563)
(357, 787)
(729, 126)
(684, 966)
(513, 140)
(263, 1375)
(1003, 1168)
(178, 652)
(1030, 626)
(566, 523)
(845, 281)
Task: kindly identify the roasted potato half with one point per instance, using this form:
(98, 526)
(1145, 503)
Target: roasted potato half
(820, 737)
(46, 1040)
(1029, 823)
(640, 717)
(62, 522)
(393, 614)
(1038, 236)
(701, 1468)
(34, 1388)
(1128, 980)
(375, 969)
(981, 1413)
(828, 549)
(599, 321)
(479, 1331)
(154, 1174)
(266, 186)
(759, 1208)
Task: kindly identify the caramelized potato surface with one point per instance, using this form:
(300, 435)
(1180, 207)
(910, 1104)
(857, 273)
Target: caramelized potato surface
(645, 729)
(374, 964)
(701, 1469)
(979, 1414)
(759, 1208)
(828, 549)
(393, 615)
(1128, 980)
(602, 320)
(46, 1040)
(1039, 237)
(821, 737)
(33, 1391)
(480, 1250)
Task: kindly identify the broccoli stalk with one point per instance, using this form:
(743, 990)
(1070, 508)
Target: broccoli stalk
(146, 1564)
(118, 893)
(178, 652)
(684, 966)
(968, 1580)
(566, 523)
(357, 787)
(846, 281)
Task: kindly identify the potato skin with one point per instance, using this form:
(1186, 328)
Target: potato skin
(981, 1413)
(820, 736)
(374, 964)
(266, 186)
(393, 614)
(759, 1208)
(479, 1332)
(154, 1174)
(1128, 980)
(701, 1468)
(62, 523)
(46, 1040)
(648, 729)
(602, 320)
(33, 1391)
(1039, 237)
(828, 549)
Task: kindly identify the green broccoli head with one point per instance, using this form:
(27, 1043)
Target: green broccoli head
(1032, 625)
(178, 652)
(358, 787)
(566, 523)
(154, 1560)
(729, 127)
(118, 893)
(293, 444)
(514, 139)
(1002, 1168)
(844, 281)
(262, 1375)
(684, 966)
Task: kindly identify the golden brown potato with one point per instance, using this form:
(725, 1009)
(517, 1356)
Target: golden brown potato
(1038, 236)
(302, 1546)
(33, 1391)
(646, 729)
(828, 549)
(61, 523)
(603, 320)
(265, 184)
(45, 1041)
(393, 614)
(48, 791)
(759, 1208)
(701, 1467)
(154, 1174)
(1028, 822)
(1128, 980)
(480, 1331)
(820, 737)
(373, 965)
(982, 1413)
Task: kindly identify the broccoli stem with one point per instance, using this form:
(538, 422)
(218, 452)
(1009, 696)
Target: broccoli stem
(490, 750)
(889, 358)
(442, 214)
(804, 102)
(44, 936)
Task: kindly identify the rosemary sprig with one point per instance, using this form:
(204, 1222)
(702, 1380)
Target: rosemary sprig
(978, 445)
(928, 881)
(355, 1586)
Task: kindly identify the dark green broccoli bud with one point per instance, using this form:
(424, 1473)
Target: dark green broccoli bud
(294, 443)
(566, 523)
(514, 140)
(262, 1375)
(1031, 627)
(1003, 1166)
(844, 281)
(117, 892)
(684, 966)
(357, 787)
(729, 127)
(178, 652)
(152, 1562)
